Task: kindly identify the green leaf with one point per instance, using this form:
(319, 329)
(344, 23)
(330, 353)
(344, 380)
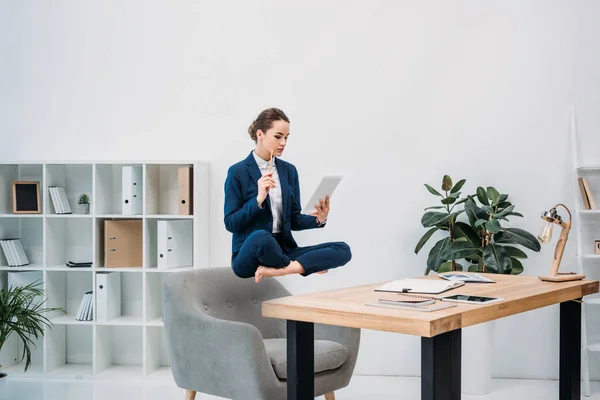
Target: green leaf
(432, 218)
(516, 214)
(517, 267)
(504, 212)
(493, 226)
(432, 190)
(474, 268)
(473, 212)
(458, 186)
(434, 208)
(435, 259)
(487, 209)
(519, 236)
(458, 250)
(480, 222)
(445, 267)
(496, 259)
(515, 252)
(503, 197)
(424, 239)
(427, 270)
(504, 204)
(448, 200)
(465, 230)
(475, 258)
(493, 195)
(446, 183)
(482, 196)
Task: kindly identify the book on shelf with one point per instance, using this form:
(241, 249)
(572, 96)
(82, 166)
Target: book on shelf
(14, 252)
(85, 312)
(586, 194)
(73, 264)
(60, 201)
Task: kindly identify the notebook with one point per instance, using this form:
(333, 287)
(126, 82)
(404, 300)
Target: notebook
(410, 285)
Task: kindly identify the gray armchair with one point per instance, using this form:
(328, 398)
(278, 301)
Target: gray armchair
(220, 344)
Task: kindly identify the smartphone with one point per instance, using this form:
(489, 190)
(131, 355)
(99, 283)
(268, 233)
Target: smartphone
(466, 298)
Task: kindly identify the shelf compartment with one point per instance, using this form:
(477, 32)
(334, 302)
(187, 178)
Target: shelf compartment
(157, 356)
(131, 302)
(66, 289)
(12, 351)
(154, 292)
(31, 233)
(108, 189)
(183, 231)
(119, 351)
(100, 231)
(75, 178)
(18, 172)
(68, 239)
(162, 188)
(69, 351)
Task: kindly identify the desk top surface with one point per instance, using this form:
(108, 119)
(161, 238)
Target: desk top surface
(346, 307)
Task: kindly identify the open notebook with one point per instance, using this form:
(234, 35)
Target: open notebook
(409, 285)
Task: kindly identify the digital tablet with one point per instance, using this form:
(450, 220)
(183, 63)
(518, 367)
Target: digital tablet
(466, 298)
(326, 187)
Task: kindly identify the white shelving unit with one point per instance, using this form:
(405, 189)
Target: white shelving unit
(587, 229)
(132, 345)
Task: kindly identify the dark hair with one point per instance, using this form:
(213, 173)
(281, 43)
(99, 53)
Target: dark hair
(265, 120)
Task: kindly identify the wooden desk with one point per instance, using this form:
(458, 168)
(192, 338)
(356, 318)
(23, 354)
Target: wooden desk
(440, 330)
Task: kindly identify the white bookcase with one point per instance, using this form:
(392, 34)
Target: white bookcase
(132, 345)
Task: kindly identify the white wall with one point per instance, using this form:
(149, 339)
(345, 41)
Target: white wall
(392, 94)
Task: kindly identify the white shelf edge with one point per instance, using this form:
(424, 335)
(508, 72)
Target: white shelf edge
(155, 322)
(591, 256)
(30, 267)
(122, 321)
(593, 347)
(155, 269)
(594, 300)
(72, 371)
(588, 211)
(168, 216)
(69, 320)
(21, 215)
(121, 371)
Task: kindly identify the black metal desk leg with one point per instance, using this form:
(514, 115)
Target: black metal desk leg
(300, 360)
(440, 366)
(570, 351)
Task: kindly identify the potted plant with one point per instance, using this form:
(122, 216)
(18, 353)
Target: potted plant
(485, 245)
(22, 313)
(84, 203)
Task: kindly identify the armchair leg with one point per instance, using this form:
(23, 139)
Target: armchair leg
(330, 396)
(190, 394)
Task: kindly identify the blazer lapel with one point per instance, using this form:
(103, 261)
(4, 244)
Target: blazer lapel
(255, 173)
(282, 171)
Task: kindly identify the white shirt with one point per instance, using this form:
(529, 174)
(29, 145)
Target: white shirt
(275, 194)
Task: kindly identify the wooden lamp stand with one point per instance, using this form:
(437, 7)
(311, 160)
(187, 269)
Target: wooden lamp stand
(551, 217)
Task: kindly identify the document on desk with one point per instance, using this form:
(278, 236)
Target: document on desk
(425, 308)
(326, 187)
(410, 285)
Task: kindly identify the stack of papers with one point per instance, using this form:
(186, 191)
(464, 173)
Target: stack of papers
(464, 277)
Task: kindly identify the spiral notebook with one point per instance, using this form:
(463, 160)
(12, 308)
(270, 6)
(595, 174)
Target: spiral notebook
(411, 285)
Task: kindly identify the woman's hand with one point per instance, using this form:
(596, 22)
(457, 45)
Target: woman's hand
(265, 183)
(322, 210)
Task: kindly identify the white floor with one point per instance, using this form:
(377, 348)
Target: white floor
(360, 388)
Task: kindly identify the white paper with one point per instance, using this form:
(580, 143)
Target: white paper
(326, 187)
(419, 286)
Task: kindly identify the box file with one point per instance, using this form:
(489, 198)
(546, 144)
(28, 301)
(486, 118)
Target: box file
(175, 238)
(132, 190)
(108, 296)
(123, 243)
(185, 189)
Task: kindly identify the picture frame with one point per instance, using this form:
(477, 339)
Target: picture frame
(26, 197)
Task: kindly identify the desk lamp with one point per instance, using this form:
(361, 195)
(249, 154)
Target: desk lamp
(551, 217)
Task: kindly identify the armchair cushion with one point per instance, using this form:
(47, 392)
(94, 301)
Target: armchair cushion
(328, 355)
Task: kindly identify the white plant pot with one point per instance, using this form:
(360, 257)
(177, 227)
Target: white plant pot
(477, 358)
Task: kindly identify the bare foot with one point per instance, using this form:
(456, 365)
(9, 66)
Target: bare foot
(323, 272)
(293, 268)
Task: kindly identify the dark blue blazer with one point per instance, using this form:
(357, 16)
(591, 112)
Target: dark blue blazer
(242, 213)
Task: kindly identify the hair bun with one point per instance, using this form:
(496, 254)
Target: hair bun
(252, 131)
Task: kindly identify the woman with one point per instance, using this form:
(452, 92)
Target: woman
(262, 207)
